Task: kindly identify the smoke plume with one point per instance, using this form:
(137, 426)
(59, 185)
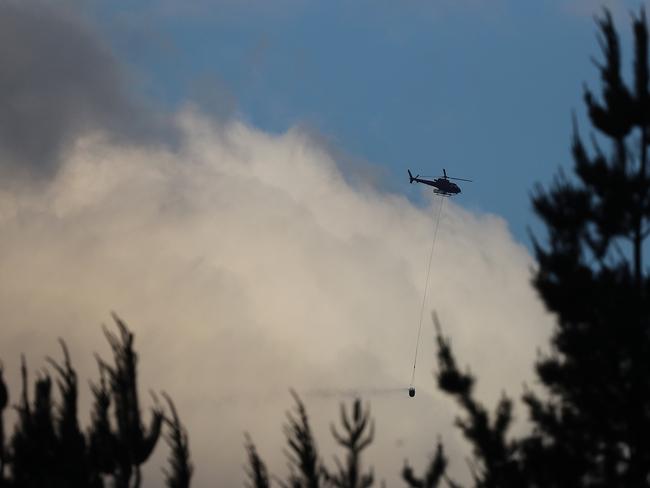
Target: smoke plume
(245, 263)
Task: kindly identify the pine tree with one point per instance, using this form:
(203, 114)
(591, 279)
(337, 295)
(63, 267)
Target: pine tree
(306, 470)
(49, 449)
(358, 433)
(305, 467)
(34, 446)
(257, 475)
(180, 474)
(435, 473)
(4, 400)
(71, 457)
(496, 462)
(593, 425)
(102, 443)
(134, 442)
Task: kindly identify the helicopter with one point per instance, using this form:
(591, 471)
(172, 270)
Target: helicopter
(441, 185)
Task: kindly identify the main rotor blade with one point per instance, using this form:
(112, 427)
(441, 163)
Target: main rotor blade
(459, 179)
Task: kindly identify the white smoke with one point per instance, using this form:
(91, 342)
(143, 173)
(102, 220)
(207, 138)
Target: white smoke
(246, 265)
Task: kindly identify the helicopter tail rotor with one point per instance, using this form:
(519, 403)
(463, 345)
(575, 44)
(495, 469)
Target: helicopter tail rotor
(411, 179)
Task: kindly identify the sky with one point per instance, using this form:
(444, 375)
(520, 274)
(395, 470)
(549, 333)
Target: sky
(229, 178)
(483, 89)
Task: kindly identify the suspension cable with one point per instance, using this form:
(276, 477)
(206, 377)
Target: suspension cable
(426, 285)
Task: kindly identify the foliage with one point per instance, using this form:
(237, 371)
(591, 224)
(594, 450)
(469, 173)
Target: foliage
(256, 471)
(4, 399)
(434, 475)
(359, 431)
(48, 448)
(133, 444)
(179, 458)
(306, 470)
(591, 275)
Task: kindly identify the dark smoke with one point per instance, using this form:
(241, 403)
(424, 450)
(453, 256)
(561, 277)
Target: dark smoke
(58, 79)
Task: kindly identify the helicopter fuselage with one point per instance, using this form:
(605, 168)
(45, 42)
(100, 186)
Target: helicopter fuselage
(442, 186)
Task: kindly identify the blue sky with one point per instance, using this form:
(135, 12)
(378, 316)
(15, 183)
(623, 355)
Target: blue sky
(483, 89)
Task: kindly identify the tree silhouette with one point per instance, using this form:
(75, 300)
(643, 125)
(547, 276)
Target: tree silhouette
(72, 458)
(134, 444)
(306, 470)
(256, 472)
(496, 461)
(49, 449)
(102, 445)
(34, 449)
(359, 431)
(591, 275)
(179, 458)
(4, 400)
(305, 467)
(434, 475)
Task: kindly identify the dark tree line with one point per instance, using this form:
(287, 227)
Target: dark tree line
(306, 467)
(48, 448)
